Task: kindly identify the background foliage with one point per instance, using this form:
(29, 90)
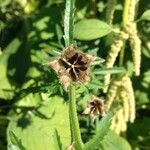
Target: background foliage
(33, 105)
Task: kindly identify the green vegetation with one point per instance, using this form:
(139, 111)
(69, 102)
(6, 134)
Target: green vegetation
(74, 74)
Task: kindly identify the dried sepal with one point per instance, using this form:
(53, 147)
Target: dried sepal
(73, 66)
(95, 108)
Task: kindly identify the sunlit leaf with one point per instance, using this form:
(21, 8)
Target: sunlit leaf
(145, 15)
(89, 29)
(34, 129)
(112, 141)
(15, 142)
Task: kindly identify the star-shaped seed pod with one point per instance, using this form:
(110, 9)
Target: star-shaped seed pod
(95, 108)
(72, 66)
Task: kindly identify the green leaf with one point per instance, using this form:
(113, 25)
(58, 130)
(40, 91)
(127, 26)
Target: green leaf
(16, 143)
(102, 131)
(57, 142)
(8, 69)
(37, 133)
(112, 141)
(13, 147)
(145, 15)
(109, 70)
(90, 29)
(6, 89)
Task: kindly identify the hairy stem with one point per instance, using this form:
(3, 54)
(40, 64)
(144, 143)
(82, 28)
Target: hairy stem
(69, 22)
(74, 119)
(68, 37)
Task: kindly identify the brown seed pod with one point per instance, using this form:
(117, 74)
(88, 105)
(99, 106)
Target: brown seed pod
(95, 108)
(72, 66)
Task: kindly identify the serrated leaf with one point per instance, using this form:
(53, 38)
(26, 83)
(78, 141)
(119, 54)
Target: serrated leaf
(102, 131)
(33, 129)
(145, 15)
(90, 29)
(112, 141)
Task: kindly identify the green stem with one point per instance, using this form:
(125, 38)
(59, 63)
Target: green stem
(125, 13)
(68, 36)
(69, 22)
(74, 119)
(122, 52)
(125, 20)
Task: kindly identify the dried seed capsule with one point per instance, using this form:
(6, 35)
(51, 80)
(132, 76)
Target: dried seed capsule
(95, 108)
(72, 66)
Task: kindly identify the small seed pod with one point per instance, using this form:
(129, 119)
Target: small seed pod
(135, 44)
(127, 85)
(95, 108)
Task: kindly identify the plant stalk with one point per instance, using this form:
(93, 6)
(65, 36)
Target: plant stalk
(125, 20)
(69, 22)
(68, 37)
(74, 119)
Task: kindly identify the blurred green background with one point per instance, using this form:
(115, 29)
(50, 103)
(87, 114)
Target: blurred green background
(31, 34)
